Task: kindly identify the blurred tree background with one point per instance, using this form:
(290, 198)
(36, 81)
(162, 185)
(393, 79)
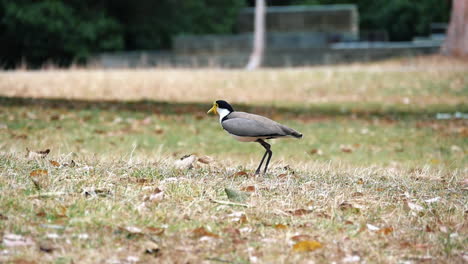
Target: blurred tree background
(68, 31)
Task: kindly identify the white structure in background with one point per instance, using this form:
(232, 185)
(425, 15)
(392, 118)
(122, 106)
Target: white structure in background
(256, 57)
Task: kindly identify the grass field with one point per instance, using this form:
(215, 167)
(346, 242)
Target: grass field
(377, 177)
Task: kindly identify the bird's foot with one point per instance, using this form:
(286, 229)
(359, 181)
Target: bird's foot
(257, 172)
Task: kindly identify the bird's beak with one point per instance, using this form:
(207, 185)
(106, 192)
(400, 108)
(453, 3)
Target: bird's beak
(213, 109)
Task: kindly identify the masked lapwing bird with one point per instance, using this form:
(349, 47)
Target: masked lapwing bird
(246, 127)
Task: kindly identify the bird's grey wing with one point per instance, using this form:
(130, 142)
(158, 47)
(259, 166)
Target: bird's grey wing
(251, 128)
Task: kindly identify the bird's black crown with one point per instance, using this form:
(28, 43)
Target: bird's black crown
(225, 105)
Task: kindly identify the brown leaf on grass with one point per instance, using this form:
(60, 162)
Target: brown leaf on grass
(199, 116)
(429, 229)
(360, 181)
(23, 261)
(37, 154)
(3, 217)
(316, 151)
(37, 173)
(202, 232)
(234, 232)
(323, 215)
(54, 163)
(240, 174)
(345, 206)
(41, 213)
(99, 131)
(248, 189)
(205, 160)
(282, 175)
(307, 246)
(385, 230)
(346, 149)
(155, 230)
(280, 227)
(299, 212)
(298, 238)
(158, 131)
(243, 219)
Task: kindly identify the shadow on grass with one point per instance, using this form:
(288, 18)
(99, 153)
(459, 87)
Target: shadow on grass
(322, 110)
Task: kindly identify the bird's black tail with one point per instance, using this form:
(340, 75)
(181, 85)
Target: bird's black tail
(296, 134)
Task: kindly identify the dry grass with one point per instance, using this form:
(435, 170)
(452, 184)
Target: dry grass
(101, 211)
(385, 83)
(397, 194)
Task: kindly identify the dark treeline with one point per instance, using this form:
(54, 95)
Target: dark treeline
(61, 32)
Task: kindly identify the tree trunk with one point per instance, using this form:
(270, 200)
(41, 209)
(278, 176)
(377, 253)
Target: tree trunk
(256, 57)
(456, 42)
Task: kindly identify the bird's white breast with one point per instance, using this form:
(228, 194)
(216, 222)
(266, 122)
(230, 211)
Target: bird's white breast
(222, 113)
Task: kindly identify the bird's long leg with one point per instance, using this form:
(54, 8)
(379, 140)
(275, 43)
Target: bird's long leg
(268, 160)
(261, 162)
(268, 151)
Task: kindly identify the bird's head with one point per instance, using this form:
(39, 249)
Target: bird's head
(221, 106)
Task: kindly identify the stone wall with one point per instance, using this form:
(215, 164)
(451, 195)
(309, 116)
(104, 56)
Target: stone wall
(334, 54)
(222, 44)
(335, 19)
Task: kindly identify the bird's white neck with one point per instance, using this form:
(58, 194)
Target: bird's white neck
(222, 113)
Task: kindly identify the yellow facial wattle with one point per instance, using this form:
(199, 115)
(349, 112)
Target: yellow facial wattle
(213, 109)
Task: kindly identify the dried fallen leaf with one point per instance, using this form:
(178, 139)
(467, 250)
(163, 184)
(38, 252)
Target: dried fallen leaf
(307, 246)
(345, 206)
(23, 261)
(280, 227)
(158, 131)
(232, 231)
(240, 174)
(41, 213)
(202, 232)
(385, 230)
(248, 189)
(299, 212)
(301, 238)
(323, 215)
(155, 230)
(54, 163)
(429, 229)
(346, 149)
(37, 173)
(205, 160)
